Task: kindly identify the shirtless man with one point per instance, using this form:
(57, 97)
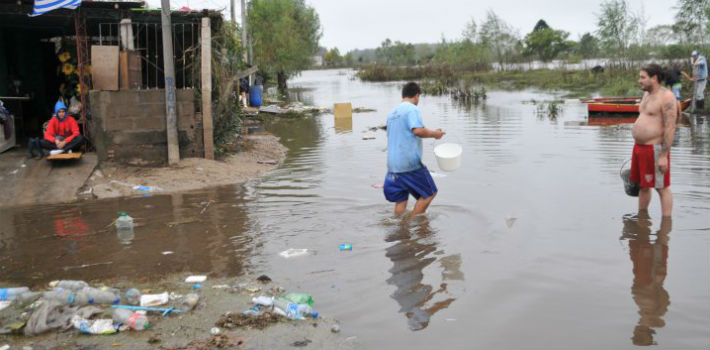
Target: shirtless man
(653, 133)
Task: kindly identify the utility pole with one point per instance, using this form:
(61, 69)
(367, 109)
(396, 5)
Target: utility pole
(244, 29)
(170, 93)
(231, 11)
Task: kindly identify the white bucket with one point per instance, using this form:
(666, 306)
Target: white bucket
(448, 156)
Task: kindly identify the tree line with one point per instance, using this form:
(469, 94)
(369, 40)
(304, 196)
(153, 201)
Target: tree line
(621, 35)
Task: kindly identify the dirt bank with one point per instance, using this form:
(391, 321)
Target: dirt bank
(259, 153)
(192, 330)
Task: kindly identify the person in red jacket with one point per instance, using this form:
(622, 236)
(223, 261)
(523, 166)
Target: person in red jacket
(62, 132)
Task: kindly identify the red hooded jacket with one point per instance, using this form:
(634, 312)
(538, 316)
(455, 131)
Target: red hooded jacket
(67, 128)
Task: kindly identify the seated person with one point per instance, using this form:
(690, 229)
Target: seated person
(62, 132)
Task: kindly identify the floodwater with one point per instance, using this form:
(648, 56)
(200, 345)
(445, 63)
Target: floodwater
(532, 243)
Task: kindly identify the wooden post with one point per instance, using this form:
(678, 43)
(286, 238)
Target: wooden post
(170, 93)
(207, 127)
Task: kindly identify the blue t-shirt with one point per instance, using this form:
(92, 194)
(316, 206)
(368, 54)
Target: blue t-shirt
(404, 148)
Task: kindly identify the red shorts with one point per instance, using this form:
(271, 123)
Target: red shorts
(644, 167)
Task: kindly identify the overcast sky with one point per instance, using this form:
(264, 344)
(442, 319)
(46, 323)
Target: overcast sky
(362, 24)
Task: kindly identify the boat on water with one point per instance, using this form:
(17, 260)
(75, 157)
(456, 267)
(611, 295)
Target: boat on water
(619, 106)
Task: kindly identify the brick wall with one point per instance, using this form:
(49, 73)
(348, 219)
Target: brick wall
(128, 126)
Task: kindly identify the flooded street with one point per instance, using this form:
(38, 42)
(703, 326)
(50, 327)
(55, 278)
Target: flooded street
(532, 243)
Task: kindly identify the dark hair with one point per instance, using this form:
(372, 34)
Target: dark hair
(410, 90)
(654, 70)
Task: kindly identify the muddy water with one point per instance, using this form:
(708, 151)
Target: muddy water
(531, 244)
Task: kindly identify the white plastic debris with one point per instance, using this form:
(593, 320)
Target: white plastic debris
(168, 252)
(293, 252)
(151, 300)
(196, 279)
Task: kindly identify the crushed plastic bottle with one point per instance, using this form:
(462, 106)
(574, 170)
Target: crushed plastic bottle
(98, 296)
(299, 298)
(133, 296)
(190, 301)
(293, 310)
(74, 286)
(131, 319)
(101, 326)
(11, 293)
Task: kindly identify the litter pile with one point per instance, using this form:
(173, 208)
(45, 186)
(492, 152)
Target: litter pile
(89, 310)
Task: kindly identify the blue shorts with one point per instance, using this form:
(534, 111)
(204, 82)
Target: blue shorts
(418, 183)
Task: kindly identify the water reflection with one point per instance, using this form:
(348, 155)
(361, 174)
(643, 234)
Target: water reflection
(414, 249)
(649, 256)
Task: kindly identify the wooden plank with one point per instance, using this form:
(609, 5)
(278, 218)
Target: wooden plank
(207, 127)
(130, 70)
(104, 67)
(65, 156)
(123, 69)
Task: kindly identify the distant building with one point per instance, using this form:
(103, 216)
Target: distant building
(317, 60)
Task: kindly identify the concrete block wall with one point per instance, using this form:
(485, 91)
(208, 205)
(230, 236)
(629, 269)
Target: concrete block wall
(128, 126)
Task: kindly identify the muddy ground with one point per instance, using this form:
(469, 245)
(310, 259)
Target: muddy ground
(221, 304)
(259, 153)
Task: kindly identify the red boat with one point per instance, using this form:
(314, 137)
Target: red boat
(619, 105)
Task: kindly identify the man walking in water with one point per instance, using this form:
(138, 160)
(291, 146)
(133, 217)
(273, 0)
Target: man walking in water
(653, 134)
(405, 172)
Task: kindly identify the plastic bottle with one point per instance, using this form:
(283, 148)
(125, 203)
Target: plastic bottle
(63, 296)
(299, 298)
(133, 296)
(97, 296)
(124, 221)
(11, 293)
(69, 285)
(27, 298)
(293, 310)
(129, 318)
(190, 301)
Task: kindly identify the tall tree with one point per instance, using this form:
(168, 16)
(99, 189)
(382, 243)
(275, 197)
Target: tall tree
(285, 36)
(500, 37)
(693, 21)
(588, 46)
(617, 27)
(544, 42)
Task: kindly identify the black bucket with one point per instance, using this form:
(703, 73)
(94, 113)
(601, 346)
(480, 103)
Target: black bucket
(631, 188)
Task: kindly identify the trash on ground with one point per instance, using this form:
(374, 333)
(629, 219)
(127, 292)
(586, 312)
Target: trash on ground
(294, 252)
(168, 252)
(196, 278)
(214, 330)
(162, 310)
(147, 188)
(154, 299)
(335, 328)
(11, 293)
(131, 319)
(5, 347)
(263, 300)
(231, 321)
(300, 298)
(100, 326)
(345, 246)
(133, 296)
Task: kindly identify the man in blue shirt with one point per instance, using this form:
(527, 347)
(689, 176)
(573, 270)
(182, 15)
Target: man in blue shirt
(405, 172)
(700, 76)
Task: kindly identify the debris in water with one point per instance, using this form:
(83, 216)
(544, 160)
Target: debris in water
(196, 278)
(510, 220)
(168, 252)
(293, 252)
(301, 343)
